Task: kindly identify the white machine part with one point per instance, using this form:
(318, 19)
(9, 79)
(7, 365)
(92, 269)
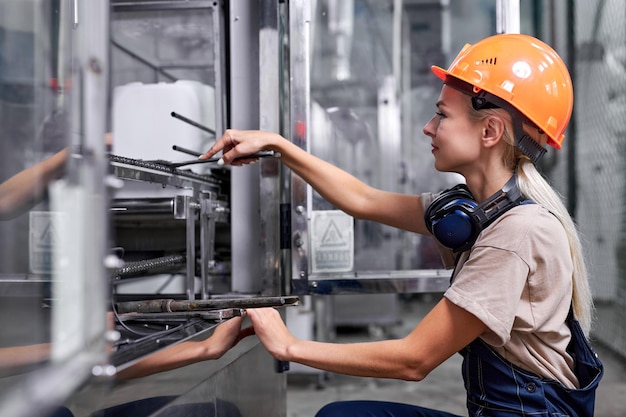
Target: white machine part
(143, 127)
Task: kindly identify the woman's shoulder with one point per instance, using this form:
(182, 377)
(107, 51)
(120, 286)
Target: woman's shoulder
(525, 224)
(529, 215)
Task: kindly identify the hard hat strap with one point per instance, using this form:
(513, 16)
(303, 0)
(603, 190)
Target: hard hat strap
(524, 142)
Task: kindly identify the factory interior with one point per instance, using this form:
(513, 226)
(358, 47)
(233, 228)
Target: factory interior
(118, 245)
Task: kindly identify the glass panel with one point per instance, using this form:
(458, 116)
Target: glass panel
(34, 104)
(598, 191)
(52, 210)
(361, 123)
(162, 45)
(372, 92)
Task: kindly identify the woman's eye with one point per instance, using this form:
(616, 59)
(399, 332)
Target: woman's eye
(440, 114)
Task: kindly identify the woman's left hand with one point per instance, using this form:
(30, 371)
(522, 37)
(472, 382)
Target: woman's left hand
(226, 335)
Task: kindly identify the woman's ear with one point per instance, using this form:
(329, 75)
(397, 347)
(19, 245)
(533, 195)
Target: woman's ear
(493, 130)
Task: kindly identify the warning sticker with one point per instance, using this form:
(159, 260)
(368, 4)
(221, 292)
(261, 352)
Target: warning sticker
(332, 241)
(43, 236)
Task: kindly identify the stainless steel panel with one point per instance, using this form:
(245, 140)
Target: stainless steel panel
(242, 383)
(270, 91)
(299, 26)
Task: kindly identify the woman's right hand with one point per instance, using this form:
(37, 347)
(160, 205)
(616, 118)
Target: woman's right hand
(272, 331)
(236, 144)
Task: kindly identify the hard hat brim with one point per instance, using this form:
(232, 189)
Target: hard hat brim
(439, 72)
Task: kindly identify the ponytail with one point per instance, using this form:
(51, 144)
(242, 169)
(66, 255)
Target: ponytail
(534, 186)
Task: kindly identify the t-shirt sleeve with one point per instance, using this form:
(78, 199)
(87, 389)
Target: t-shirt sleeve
(490, 285)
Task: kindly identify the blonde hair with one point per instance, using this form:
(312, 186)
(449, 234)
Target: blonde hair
(534, 186)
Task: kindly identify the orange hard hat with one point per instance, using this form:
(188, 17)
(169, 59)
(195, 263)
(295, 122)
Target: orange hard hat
(522, 71)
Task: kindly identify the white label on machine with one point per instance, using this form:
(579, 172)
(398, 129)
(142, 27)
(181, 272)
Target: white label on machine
(332, 241)
(43, 235)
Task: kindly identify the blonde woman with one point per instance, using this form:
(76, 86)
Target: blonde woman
(519, 288)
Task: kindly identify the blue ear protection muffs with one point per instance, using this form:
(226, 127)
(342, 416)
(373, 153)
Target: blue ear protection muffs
(455, 219)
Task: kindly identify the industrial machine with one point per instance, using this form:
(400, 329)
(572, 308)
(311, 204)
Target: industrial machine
(130, 245)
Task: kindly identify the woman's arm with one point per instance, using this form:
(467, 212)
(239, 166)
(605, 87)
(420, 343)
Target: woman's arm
(15, 356)
(26, 188)
(225, 336)
(443, 332)
(338, 187)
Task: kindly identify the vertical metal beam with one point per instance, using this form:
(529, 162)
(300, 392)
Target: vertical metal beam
(190, 226)
(507, 16)
(270, 120)
(572, 140)
(82, 195)
(244, 114)
(299, 113)
(207, 237)
(219, 65)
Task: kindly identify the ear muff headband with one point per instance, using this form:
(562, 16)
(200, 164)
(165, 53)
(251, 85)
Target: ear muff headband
(455, 219)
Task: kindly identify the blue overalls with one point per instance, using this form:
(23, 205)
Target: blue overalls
(497, 388)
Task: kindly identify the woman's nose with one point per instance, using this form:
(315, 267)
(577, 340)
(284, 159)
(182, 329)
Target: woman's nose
(429, 128)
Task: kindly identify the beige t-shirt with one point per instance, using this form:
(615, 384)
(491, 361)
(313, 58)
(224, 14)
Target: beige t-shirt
(517, 279)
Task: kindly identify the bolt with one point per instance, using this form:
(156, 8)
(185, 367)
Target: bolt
(94, 65)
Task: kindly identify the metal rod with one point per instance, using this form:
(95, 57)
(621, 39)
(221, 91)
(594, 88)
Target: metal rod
(260, 154)
(192, 123)
(169, 305)
(185, 150)
(143, 60)
(160, 5)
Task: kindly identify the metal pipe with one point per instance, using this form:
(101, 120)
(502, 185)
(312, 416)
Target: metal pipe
(143, 206)
(149, 266)
(171, 305)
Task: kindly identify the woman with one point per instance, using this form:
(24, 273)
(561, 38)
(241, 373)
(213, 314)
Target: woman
(519, 278)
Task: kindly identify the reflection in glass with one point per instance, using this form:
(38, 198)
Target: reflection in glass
(35, 83)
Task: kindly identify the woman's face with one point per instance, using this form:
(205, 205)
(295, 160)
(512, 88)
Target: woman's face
(455, 139)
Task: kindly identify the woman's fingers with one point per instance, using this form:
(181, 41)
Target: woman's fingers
(225, 143)
(236, 145)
